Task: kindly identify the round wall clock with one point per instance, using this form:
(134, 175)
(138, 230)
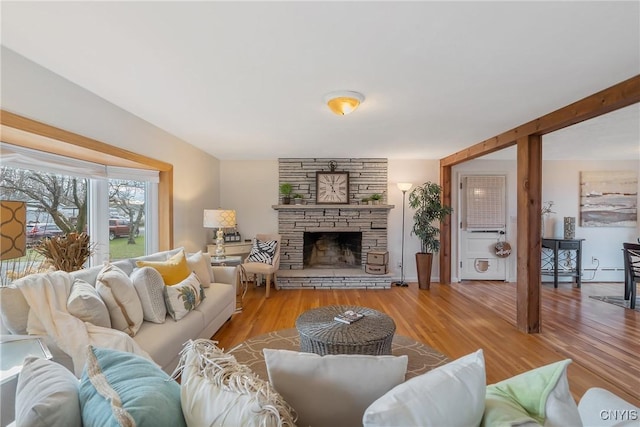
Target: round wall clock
(332, 187)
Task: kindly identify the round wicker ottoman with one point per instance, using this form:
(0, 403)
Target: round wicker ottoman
(321, 334)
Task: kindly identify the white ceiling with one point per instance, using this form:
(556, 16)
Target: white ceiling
(245, 80)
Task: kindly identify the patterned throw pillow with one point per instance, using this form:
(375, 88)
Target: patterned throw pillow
(149, 285)
(262, 251)
(117, 291)
(184, 297)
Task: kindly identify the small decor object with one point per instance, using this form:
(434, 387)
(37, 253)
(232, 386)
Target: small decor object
(544, 212)
(333, 186)
(569, 227)
(286, 189)
(348, 317)
(375, 198)
(502, 249)
(298, 199)
(68, 252)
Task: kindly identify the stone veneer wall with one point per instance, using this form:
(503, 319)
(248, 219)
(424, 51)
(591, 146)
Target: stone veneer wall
(366, 176)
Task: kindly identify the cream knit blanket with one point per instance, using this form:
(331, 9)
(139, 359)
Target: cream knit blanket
(47, 296)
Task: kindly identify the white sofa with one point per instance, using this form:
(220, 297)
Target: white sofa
(162, 341)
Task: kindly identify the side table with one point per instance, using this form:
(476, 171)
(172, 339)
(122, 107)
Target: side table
(572, 250)
(226, 261)
(320, 333)
(13, 350)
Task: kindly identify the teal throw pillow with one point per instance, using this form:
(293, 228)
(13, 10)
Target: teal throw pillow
(119, 388)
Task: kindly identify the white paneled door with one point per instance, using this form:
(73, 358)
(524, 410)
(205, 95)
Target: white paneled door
(482, 205)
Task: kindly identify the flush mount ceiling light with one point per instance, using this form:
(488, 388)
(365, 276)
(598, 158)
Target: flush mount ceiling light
(343, 102)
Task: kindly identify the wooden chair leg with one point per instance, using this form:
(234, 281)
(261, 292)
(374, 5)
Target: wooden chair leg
(268, 285)
(275, 282)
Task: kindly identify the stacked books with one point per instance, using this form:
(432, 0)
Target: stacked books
(348, 317)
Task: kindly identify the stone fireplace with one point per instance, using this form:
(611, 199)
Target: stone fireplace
(326, 245)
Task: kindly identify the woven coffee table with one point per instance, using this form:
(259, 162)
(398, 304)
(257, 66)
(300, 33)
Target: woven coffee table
(321, 334)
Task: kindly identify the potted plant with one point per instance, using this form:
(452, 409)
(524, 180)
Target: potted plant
(365, 200)
(426, 200)
(297, 199)
(375, 198)
(285, 190)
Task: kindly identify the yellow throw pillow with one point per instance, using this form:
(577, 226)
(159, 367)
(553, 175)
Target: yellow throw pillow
(173, 271)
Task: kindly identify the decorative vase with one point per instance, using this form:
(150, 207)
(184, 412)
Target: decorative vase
(286, 200)
(423, 265)
(569, 227)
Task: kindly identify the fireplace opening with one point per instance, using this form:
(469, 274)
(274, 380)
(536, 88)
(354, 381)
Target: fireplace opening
(332, 249)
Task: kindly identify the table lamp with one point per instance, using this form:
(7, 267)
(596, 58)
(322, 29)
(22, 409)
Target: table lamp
(220, 219)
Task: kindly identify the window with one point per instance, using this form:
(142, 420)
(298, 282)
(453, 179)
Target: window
(65, 195)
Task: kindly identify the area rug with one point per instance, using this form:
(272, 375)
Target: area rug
(617, 300)
(422, 358)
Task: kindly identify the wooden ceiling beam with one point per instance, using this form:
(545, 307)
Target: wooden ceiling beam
(618, 96)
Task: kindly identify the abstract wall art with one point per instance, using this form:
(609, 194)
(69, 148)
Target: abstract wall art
(609, 198)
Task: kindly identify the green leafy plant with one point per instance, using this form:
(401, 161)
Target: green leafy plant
(376, 196)
(286, 189)
(426, 200)
(297, 196)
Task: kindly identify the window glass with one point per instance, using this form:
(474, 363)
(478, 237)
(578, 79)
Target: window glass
(59, 204)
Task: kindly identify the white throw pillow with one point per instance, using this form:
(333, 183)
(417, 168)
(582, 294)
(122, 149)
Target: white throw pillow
(47, 395)
(451, 395)
(218, 391)
(332, 390)
(118, 293)
(200, 265)
(85, 303)
(148, 283)
(184, 297)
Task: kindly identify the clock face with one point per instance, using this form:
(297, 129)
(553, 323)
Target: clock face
(332, 187)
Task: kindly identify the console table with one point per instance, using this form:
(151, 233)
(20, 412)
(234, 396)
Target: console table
(572, 264)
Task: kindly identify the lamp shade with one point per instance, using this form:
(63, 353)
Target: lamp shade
(404, 186)
(13, 218)
(343, 102)
(219, 218)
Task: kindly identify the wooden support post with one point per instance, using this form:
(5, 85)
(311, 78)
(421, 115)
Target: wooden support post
(445, 227)
(529, 196)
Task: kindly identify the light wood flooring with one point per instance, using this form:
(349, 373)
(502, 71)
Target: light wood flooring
(603, 340)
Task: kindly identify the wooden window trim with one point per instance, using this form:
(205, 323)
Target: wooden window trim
(28, 133)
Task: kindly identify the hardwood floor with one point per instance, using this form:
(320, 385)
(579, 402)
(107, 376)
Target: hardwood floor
(603, 340)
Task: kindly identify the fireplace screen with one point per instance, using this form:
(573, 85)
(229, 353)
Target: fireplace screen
(332, 250)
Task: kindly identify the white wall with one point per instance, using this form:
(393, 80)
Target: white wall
(36, 93)
(251, 188)
(560, 184)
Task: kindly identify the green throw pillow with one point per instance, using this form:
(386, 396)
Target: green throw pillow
(541, 395)
(119, 388)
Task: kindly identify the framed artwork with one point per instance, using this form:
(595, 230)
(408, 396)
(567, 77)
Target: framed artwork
(609, 198)
(332, 187)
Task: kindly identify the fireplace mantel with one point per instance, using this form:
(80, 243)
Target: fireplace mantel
(342, 206)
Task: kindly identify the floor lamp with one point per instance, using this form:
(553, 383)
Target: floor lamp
(404, 187)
